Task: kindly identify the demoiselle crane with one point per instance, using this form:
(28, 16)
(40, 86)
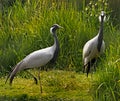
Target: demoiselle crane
(94, 47)
(38, 58)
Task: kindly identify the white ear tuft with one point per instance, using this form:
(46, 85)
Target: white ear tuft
(51, 30)
(100, 18)
(102, 15)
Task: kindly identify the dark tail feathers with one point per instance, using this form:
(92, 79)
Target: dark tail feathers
(12, 74)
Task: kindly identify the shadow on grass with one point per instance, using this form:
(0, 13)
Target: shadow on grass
(25, 97)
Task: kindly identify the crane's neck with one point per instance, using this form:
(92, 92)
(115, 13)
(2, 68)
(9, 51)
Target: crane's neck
(56, 48)
(56, 43)
(100, 36)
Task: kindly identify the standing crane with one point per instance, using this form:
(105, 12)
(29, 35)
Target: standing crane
(38, 58)
(94, 47)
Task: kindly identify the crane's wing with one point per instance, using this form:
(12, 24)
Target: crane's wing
(89, 46)
(38, 58)
(13, 73)
(87, 49)
(35, 59)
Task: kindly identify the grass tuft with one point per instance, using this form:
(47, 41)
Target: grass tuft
(24, 28)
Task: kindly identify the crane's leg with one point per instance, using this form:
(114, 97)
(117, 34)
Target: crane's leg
(88, 68)
(39, 77)
(35, 79)
(84, 68)
(93, 63)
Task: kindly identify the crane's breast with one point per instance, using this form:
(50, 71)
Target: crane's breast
(90, 47)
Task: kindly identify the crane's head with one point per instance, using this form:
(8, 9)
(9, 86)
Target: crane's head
(102, 16)
(54, 28)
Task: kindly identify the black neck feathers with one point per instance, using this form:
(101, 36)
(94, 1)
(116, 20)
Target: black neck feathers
(57, 48)
(100, 36)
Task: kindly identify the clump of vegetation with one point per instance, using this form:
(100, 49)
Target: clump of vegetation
(107, 87)
(25, 28)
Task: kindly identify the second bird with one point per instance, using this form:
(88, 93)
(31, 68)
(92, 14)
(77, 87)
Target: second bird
(94, 47)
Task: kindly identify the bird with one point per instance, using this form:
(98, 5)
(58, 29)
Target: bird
(38, 58)
(94, 47)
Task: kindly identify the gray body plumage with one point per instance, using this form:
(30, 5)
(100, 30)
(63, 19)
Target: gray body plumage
(38, 58)
(94, 47)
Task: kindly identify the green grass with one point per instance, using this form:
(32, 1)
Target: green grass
(57, 85)
(24, 28)
(63, 85)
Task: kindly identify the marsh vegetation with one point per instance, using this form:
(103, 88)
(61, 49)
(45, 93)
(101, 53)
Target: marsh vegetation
(24, 28)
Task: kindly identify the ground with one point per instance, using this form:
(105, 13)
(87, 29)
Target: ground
(56, 84)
